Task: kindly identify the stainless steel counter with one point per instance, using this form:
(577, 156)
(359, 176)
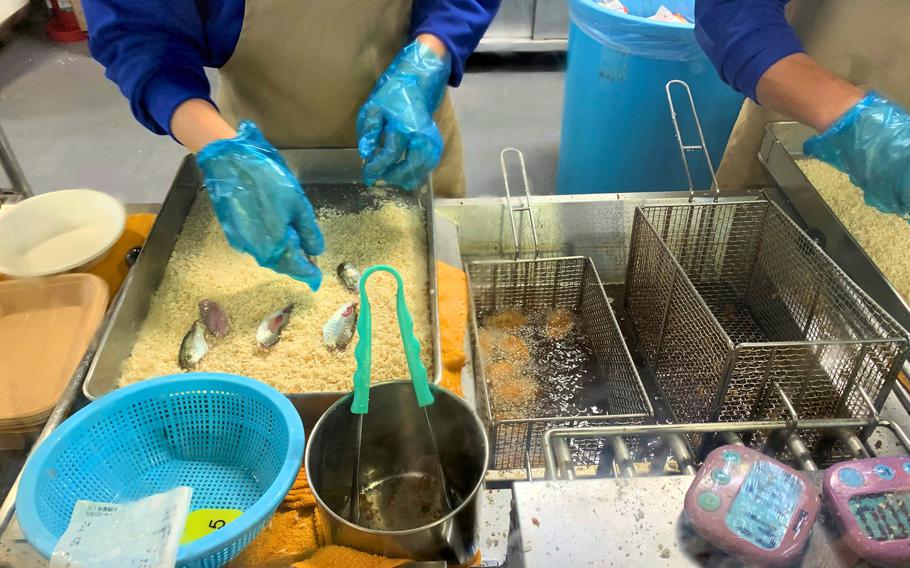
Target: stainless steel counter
(637, 522)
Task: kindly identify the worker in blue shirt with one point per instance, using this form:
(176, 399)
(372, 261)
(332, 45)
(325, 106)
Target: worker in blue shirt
(370, 74)
(788, 68)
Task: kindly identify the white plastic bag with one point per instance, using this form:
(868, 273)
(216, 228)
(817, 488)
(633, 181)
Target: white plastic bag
(665, 15)
(614, 5)
(141, 534)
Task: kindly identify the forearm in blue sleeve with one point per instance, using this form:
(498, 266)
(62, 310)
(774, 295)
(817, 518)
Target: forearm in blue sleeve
(153, 50)
(744, 38)
(459, 24)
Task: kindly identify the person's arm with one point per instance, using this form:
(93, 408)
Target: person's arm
(863, 134)
(434, 43)
(397, 136)
(156, 51)
(757, 53)
(196, 123)
(744, 39)
(456, 24)
(801, 88)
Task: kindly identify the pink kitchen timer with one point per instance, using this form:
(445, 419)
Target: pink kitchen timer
(871, 501)
(752, 506)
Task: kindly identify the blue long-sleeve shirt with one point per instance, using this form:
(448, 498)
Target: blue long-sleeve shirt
(155, 50)
(744, 38)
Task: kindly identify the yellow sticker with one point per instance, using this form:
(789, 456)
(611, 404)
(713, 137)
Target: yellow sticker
(205, 521)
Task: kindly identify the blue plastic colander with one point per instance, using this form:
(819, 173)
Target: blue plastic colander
(236, 441)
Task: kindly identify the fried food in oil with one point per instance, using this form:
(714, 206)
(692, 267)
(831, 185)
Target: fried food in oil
(514, 349)
(512, 391)
(507, 319)
(500, 371)
(488, 339)
(497, 346)
(559, 323)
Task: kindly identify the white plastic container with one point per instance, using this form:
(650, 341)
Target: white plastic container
(61, 231)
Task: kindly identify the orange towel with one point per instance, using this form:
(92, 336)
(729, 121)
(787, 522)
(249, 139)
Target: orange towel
(113, 268)
(452, 287)
(290, 536)
(293, 539)
(341, 557)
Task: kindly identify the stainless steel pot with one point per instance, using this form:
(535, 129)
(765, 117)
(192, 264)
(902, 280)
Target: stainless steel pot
(402, 507)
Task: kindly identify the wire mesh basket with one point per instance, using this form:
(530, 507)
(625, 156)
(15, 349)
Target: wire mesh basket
(730, 300)
(611, 393)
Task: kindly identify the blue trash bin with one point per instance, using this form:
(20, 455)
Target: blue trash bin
(617, 135)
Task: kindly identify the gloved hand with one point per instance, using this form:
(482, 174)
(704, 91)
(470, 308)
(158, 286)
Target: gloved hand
(871, 143)
(399, 142)
(260, 204)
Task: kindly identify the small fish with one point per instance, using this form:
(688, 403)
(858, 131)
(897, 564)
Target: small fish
(349, 276)
(193, 347)
(215, 318)
(269, 331)
(340, 329)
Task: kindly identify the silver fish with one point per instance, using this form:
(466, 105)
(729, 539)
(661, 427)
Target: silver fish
(215, 318)
(193, 347)
(349, 276)
(338, 332)
(269, 331)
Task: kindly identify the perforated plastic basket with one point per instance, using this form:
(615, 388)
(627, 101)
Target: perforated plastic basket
(237, 442)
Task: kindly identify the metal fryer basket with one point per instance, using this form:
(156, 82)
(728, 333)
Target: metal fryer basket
(728, 299)
(537, 286)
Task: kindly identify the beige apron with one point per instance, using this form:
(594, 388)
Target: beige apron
(864, 41)
(302, 69)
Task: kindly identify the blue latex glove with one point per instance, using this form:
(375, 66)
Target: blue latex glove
(399, 142)
(260, 204)
(871, 143)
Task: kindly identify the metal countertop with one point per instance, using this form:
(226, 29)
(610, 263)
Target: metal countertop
(633, 522)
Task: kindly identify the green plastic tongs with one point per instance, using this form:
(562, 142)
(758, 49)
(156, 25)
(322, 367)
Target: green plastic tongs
(363, 352)
(417, 370)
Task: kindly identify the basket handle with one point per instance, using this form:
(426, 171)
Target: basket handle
(519, 208)
(683, 147)
(363, 351)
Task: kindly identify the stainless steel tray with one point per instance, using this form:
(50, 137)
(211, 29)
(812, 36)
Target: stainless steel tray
(332, 180)
(781, 148)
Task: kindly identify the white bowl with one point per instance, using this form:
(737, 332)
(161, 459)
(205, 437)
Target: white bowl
(58, 232)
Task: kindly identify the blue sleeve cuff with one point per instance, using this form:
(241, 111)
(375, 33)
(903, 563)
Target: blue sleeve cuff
(743, 39)
(754, 54)
(164, 92)
(459, 24)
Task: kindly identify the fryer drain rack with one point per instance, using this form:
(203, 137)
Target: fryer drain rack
(809, 444)
(539, 284)
(784, 440)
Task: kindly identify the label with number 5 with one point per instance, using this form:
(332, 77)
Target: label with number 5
(202, 522)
